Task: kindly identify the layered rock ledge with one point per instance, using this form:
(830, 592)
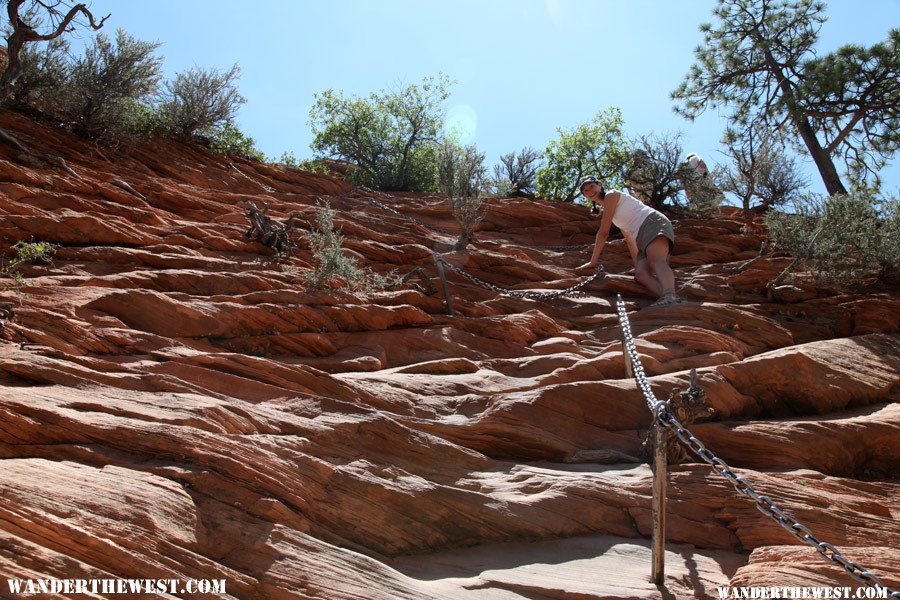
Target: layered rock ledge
(175, 404)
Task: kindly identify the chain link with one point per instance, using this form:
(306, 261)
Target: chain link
(763, 503)
(523, 293)
(560, 248)
(437, 229)
(370, 192)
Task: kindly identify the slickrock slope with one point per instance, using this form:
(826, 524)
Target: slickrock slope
(175, 405)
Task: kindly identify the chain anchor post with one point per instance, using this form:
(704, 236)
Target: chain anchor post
(658, 512)
(447, 298)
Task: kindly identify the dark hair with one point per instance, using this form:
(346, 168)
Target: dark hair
(595, 210)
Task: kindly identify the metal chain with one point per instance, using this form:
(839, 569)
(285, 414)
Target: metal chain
(522, 293)
(409, 218)
(269, 189)
(561, 248)
(763, 503)
(396, 212)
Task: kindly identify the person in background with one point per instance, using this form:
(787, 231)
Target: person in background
(695, 170)
(648, 233)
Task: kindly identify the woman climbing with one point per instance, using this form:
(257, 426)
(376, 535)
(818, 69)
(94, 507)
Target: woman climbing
(647, 232)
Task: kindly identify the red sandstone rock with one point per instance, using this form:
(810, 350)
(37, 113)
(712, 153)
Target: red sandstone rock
(176, 405)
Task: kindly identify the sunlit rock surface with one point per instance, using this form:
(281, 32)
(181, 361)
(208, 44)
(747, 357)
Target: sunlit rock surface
(176, 405)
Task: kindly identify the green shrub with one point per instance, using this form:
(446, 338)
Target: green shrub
(841, 239)
(33, 252)
(44, 73)
(330, 265)
(315, 166)
(312, 165)
(28, 252)
(462, 176)
(287, 159)
(228, 139)
(106, 88)
(705, 195)
(200, 100)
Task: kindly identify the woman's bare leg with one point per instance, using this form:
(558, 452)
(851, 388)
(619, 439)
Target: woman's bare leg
(643, 276)
(658, 264)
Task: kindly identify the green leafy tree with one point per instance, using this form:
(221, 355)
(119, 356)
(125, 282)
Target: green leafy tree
(758, 59)
(595, 148)
(852, 97)
(390, 137)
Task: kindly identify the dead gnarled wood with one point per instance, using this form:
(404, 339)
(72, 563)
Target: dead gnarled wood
(269, 232)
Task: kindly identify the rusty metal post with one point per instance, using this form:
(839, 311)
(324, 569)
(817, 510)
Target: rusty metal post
(447, 298)
(658, 536)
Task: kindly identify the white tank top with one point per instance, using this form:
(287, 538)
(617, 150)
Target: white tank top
(630, 214)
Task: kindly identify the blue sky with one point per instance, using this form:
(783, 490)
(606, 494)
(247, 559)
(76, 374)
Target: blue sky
(523, 67)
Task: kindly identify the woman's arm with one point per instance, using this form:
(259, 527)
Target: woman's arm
(609, 209)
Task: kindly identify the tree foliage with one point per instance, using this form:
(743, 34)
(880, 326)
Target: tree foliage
(31, 21)
(852, 97)
(760, 171)
(228, 139)
(108, 85)
(515, 176)
(462, 176)
(842, 239)
(656, 173)
(43, 76)
(390, 136)
(595, 148)
(200, 100)
(758, 59)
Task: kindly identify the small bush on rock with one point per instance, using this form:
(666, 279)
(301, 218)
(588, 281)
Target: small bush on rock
(331, 266)
(462, 176)
(228, 139)
(842, 239)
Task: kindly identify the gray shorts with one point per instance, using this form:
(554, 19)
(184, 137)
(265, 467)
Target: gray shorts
(654, 226)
